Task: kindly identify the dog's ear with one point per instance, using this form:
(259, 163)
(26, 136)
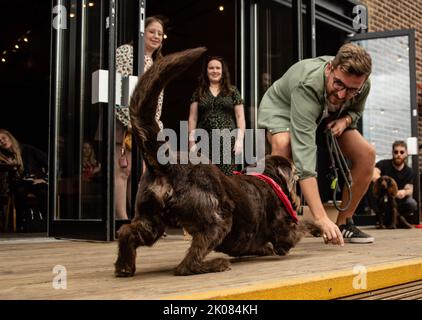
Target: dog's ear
(287, 173)
(392, 187)
(376, 188)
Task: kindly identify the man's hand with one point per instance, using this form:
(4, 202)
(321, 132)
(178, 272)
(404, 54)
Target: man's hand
(401, 194)
(338, 126)
(330, 231)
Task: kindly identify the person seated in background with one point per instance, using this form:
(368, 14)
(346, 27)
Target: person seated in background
(397, 169)
(91, 168)
(29, 185)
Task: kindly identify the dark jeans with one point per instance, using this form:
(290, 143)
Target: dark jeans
(407, 206)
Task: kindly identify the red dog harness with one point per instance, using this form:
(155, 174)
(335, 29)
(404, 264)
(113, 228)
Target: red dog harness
(284, 199)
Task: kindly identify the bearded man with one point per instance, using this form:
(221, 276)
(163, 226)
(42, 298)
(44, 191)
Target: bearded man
(397, 169)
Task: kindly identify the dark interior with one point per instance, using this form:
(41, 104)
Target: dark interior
(191, 24)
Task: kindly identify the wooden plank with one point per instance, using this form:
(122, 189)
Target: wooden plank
(408, 291)
(26, 268)
(388, 291)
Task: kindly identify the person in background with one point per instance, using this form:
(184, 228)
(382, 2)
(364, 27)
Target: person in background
(216, 104)
(397, 169)
(153, 37)
(90, 165)
(29, 186)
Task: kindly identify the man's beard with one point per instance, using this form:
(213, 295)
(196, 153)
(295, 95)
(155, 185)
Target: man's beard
(334, 106)
(398, 161)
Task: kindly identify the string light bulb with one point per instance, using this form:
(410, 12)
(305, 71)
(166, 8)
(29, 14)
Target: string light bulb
(221, 8)
(16, 46)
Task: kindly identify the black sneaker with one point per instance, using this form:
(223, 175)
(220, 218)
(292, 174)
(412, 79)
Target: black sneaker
(352, 234)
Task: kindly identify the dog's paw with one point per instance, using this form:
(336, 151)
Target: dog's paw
(404, 224)
(217, 265)
(182, 270)
(266, 250)
(214, 265)
(124, 271)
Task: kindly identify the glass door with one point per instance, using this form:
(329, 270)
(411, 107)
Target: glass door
(84, 92)
(391, 111)
(274, 46)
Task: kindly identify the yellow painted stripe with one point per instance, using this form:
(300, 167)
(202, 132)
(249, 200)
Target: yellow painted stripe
(321, 287)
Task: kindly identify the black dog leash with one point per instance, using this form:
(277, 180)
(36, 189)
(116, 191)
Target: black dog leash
(335, 152)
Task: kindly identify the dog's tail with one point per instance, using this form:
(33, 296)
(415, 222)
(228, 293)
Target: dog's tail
(143, 103)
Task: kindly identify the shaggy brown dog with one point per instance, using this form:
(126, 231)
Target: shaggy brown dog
(239, 215)
(385, 192)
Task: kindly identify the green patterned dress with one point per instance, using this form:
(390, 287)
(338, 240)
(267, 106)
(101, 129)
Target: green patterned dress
(217, 112)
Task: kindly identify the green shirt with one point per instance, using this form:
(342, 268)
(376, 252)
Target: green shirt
(296, 103)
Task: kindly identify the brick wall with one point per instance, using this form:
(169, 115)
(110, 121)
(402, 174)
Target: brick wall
(404, 14)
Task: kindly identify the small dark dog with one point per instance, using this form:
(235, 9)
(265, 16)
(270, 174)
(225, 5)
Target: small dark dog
(385, 192)
(238, 215)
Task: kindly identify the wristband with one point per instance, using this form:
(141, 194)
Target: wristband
(348, 121)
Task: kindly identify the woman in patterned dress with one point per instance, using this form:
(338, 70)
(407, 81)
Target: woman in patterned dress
(216, 104)
(153, 37)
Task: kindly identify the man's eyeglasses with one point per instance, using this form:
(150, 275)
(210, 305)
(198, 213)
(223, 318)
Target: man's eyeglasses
(340, 86)
(399, 152)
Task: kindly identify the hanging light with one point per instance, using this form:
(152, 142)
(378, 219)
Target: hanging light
(16, 46)
(25, 39)
(91, 4)
(221, 8)
(3, 60)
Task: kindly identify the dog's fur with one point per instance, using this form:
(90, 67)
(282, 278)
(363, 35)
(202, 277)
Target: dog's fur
(239, 215)
(385, 192)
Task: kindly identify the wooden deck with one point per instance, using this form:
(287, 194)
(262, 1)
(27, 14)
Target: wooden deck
(312, 270)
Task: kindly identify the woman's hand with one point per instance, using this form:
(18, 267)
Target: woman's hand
(238, 147)
(192, 144)
(38, 181)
